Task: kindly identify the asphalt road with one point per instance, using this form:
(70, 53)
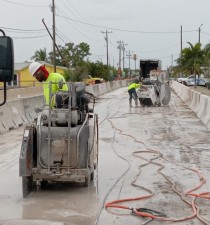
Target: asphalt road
(154, 148)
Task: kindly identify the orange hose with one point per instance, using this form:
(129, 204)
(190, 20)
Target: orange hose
(113, 205)
(195, 208)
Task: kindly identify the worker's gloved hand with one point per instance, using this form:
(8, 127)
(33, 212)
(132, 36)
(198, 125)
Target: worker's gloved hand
(60, 84)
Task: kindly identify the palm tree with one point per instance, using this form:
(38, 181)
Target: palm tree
(191, 60)
(40, 55)
(207, 59)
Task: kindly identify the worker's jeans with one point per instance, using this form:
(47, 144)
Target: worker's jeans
(132, 94)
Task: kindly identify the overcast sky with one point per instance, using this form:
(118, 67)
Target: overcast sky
(149, 28)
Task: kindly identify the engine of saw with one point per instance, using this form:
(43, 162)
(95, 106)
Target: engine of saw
(62, 144)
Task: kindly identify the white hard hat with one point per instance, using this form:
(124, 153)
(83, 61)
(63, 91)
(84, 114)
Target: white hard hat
(34, 66)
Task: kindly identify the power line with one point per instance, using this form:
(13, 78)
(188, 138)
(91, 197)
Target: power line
(39, 6)
(160, 50)
(30, 37)
(74, 11)
(72, 24)
(63, 35)
(205, 32)
(24, 30)
(124, 30)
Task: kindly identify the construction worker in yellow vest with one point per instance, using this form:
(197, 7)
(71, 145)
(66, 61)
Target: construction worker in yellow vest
(132, 92)
(39, 72)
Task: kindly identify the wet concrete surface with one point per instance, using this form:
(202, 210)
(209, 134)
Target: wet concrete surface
(134, 143)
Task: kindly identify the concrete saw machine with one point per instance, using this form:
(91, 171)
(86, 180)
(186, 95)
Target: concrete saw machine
(157, 92)
(61, 145)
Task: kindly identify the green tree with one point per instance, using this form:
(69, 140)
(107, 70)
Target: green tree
(207, 60)
(191, 60)
(68, 75)
(58, 59)
(40, 55)
(71, 55)
(98, 69)
(74, 56)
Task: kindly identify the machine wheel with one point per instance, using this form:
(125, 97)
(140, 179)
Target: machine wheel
(27, 185)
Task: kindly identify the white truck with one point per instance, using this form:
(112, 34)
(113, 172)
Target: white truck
(147, 65)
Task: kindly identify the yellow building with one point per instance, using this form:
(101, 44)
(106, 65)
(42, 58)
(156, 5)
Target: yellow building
(23, 78)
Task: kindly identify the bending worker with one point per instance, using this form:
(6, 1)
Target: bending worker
(39, 71)
(132, 92)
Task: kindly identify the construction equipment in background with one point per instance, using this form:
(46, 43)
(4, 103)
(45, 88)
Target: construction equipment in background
(156, 91)
(147, 65)
(62, 144)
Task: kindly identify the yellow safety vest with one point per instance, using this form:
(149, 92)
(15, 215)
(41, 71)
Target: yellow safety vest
(55, 78)
(134, 85)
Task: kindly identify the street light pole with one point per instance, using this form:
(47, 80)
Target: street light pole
(199, 34)
(181, 42)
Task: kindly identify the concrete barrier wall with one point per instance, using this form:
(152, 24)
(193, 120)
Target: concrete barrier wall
(198, 102)
(21, 110)
(29, 104)
(12, 115)
(22, 92)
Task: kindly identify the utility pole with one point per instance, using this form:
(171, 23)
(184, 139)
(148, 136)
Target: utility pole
(120, 48)
(59, 52)
(129, 62)
(53, 27)
(123, 49)
(135, 58)
(107, 47)
(119, 64)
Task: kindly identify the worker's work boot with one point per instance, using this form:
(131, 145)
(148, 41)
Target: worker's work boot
(130, 103)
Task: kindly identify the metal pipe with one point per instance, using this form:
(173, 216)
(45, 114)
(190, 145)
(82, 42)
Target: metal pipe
(49, 126)
(69, 126)
(86, 118)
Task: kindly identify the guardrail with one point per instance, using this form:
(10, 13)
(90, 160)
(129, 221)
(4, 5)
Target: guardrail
(197, 101)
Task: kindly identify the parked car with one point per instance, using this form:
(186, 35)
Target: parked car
(89, 80)
(190, 81)
(181, 78)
